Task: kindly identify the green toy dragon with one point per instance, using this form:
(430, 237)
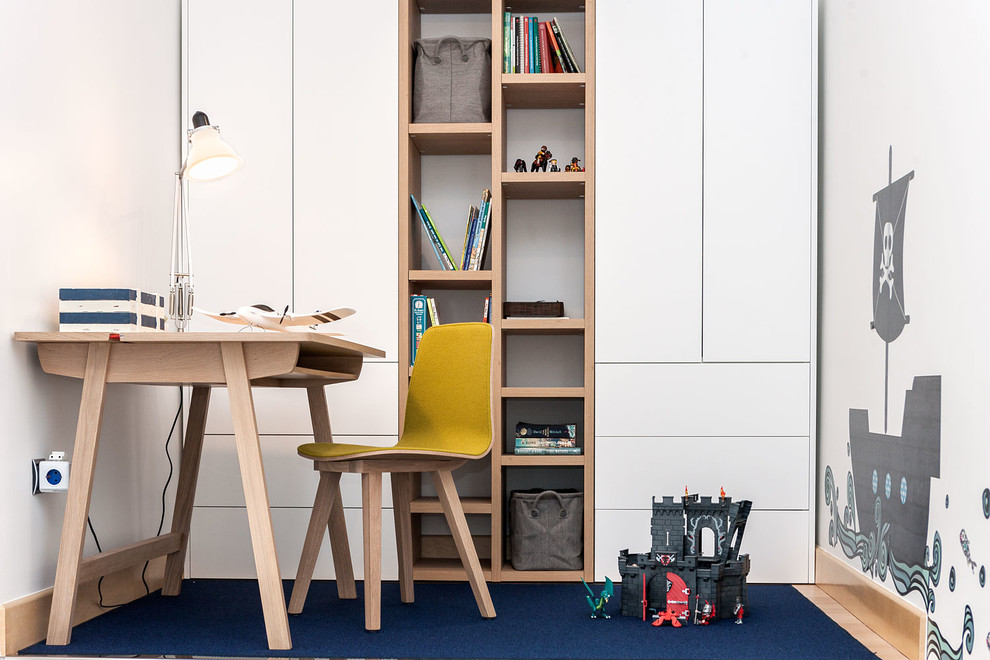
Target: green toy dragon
(598, 604)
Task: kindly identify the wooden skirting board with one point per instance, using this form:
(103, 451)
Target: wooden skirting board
(25, 621)
(890, 616)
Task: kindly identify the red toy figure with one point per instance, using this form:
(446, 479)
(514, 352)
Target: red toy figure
(738, 610)
(721, 493)
(705, 615)
(574, 167)
(678, 603)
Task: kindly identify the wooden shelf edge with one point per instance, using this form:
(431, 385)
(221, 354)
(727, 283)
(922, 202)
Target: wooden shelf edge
(542, 460)
(542, 392)
(471, 505)
(510, 574)
(447, 570)
(543, 326)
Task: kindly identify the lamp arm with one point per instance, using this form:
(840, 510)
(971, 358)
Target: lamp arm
(180, 298)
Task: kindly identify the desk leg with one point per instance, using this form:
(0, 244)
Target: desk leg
(192, 451)
(339, 545)
(371, 503)
(80, 491)
(256, 496)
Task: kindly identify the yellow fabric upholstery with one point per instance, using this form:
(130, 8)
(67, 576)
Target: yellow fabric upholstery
(448, 410)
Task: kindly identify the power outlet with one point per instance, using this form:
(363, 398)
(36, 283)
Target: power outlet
(50, 475)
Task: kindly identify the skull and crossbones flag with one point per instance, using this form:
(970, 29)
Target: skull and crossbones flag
(889, 315)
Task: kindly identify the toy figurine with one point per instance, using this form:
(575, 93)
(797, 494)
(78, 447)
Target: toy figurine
(542, 159)
(520, 165)
(598, 604)
(574, 167)
(721, 493)
(553, 165)
(738, 610)
(705, 615)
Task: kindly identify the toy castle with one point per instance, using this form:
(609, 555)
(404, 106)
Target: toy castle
(711, 568)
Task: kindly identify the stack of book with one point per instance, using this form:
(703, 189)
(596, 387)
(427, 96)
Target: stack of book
(530, 46)
(423, 314)
(543, 439)
(475, 235)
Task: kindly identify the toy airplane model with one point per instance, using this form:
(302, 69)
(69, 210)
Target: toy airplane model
(266, 318)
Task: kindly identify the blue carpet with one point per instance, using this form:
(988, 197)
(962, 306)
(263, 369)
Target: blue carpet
(223, 618)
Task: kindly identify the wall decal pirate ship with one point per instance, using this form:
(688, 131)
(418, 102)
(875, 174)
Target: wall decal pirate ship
(888, 491)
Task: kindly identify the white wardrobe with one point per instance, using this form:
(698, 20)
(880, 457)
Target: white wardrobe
(706, 270)
(308, 221)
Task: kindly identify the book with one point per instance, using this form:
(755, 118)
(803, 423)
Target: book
(525, 42)
(565, 47)
(534, 44)
(507, 43)
(554, 48)
(435, 233)
(534, 451)
(417, 324)
(517, 45)
(486, 316)
(528, 430)
(426, 227)
(546, 66)
(481, 232)
(431, 306)
(546, 442)
(469, 234)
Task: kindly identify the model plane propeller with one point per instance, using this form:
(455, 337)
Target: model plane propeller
(266, 318)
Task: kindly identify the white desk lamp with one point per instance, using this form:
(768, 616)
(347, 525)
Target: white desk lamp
(209, 158)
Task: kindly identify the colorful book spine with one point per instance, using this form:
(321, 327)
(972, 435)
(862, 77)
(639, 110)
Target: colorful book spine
(519, 45)
(546, 442)
(529, 430)
(546, 65)
(507, 43)
(469, 234)
(555, 47)
(525, 49)
(431, 305)
(435, 234)
(481, 232)
(544, 451)
(534, 30)
(417, 313)
(426, 227)
(486, 316)
(566, 47)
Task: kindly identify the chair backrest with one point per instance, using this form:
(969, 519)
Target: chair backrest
(449, 407)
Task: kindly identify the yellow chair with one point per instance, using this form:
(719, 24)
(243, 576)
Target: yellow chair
(448, 421)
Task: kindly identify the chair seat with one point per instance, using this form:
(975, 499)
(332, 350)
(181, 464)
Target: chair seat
(339, 451)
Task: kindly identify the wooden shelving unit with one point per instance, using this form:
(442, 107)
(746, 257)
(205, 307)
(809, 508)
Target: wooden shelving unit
(435, 557)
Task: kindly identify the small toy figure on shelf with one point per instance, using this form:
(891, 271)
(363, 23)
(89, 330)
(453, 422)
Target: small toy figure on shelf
(574, 167)
(738, 610)
(705, 615)
(598, 604)
(553, 165)
(520, 165)
(541, 160)
(721, 493)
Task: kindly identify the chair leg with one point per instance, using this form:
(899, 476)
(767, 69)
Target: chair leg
(371, 503)
(326, 493)
(452, 509)
(401, 499)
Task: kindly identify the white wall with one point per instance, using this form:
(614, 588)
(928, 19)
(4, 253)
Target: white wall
(907, 74)
(90, 126)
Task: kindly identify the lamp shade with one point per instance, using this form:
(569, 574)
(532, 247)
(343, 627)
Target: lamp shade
(209, 157)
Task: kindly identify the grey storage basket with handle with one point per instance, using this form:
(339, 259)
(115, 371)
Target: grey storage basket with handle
(546, 529)
(452, 80)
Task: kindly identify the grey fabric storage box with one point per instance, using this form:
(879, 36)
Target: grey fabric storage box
(452, 80)
(546, 528)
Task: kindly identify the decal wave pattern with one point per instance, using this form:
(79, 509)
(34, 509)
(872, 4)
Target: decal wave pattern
(875, 558)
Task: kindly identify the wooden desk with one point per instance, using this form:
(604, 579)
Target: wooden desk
(235, 360)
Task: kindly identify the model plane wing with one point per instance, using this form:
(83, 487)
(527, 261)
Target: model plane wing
(317, 317)
(226, 317)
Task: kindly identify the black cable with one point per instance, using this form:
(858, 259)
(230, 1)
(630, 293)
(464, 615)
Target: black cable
(161, 522)
(168, 480)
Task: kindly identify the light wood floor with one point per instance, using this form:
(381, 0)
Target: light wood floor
(849, 623)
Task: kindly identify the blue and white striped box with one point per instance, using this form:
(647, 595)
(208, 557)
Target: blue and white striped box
(110, 310)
